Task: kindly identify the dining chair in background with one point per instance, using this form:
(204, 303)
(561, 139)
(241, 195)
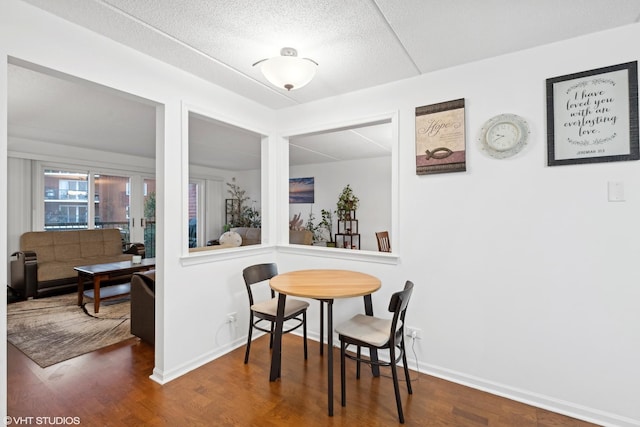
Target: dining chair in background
(384, 245)
(378, 333)
(264, 312)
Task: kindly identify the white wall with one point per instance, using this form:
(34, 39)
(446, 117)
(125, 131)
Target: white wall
(370, 180)
(193, 293)
(526, 275)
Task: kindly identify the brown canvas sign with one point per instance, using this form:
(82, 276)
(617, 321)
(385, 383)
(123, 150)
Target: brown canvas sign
(440, 138)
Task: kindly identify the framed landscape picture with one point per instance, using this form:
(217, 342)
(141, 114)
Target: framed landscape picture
(592, 116)
(301, 190)
(440, 138)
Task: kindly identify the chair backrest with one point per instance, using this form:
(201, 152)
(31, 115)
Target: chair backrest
(398, 306)
(383, 241)
(256, 274)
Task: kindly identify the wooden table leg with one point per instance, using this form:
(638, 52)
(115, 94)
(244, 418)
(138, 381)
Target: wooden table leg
(80, 289)
(96, 292)
(373, 352)
(276, 355)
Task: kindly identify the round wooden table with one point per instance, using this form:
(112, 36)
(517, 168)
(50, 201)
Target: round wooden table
(323, 285)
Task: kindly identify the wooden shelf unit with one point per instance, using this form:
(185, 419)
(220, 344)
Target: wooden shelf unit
(347, 236)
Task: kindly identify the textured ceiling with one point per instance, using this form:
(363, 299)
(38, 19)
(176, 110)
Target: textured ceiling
(357, 43)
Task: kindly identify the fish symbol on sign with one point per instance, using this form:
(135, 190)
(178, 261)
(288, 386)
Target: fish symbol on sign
(439, 153)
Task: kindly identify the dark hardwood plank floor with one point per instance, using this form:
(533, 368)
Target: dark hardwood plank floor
(111, 387)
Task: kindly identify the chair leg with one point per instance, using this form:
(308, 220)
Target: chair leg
(406, 368)
(246, 353)
(396, 386)
(304, 332)
(343, 383)
(273, 324)
(358, 353)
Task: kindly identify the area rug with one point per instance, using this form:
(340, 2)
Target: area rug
(51, 330)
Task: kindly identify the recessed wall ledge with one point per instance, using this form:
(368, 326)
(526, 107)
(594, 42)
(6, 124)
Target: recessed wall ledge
(356, 255)
(216, 255)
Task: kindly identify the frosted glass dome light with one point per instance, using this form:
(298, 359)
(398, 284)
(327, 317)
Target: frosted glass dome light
(288, 71)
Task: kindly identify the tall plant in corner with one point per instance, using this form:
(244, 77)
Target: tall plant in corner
(238, 194)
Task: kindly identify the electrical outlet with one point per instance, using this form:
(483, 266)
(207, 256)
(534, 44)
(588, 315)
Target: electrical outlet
(232, 317)
(412, 332)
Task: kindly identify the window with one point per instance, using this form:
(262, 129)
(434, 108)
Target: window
(121, 201)
(66, 203)
(149, 215)
(112, 203)
(194, 190)
(361, 155)
(220, 155)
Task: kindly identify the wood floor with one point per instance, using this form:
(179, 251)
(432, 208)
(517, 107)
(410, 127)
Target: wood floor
(111, 387)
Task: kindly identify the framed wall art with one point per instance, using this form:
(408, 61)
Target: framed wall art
(592, 116)
(440, 138)
(301, 190)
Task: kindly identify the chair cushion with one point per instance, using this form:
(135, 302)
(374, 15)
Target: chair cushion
(372, 330)
(270, 307)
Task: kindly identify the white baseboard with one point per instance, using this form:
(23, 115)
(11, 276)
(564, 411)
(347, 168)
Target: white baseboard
(559, 406)
(163, 377)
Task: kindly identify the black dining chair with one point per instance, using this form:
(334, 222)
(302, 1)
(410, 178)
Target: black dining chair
(261, 313)
(377, 333)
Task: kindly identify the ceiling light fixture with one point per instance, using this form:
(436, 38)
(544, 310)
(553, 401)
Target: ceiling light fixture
(287, 70)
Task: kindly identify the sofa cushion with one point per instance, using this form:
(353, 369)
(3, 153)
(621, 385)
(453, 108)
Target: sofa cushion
(92, 243)
(300, 237)
(56, 270)
(250, 235)
(40, 242)
(66, 245)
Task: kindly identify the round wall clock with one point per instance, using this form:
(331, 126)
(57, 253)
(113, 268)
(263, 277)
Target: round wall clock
(503, 136)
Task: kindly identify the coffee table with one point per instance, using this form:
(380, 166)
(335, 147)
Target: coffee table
(101, 272)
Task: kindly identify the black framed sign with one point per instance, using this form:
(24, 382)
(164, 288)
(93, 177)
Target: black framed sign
(592, 116)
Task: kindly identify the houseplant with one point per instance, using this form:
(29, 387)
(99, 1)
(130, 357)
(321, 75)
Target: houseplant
(315, 229)
(243, 216)
(347, 202)
(327, 224)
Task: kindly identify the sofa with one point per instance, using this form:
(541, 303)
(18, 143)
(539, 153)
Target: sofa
(44, 264)
(250, 235)
(143, 306)
(300, 237)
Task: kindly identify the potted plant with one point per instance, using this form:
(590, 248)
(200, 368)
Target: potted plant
(347, 202)
(327, 224)
(242, 216)
(314, 229)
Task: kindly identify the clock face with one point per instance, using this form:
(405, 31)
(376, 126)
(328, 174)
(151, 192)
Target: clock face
(503, 136)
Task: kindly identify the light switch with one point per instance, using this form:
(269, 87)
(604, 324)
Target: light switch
(616, 191)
